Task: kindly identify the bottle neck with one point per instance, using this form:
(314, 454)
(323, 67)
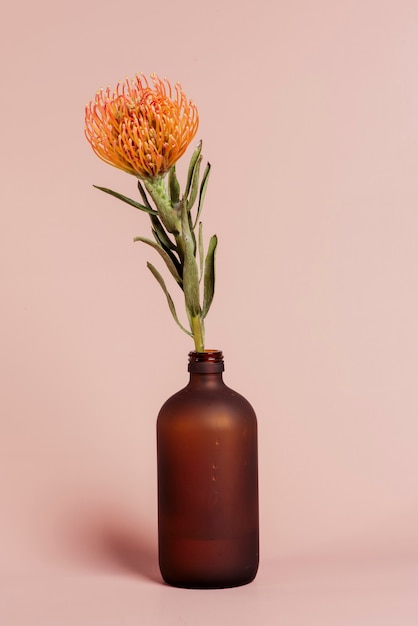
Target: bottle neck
(206, 367)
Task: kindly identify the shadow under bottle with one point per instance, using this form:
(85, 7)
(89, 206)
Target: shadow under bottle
(207, 482)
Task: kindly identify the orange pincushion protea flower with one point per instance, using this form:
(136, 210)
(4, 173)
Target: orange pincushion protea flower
(140, 129)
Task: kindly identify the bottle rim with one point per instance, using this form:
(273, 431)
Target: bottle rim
(209, 361)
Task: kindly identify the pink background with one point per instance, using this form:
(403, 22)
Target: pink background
(309, 117)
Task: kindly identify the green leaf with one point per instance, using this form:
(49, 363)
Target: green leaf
(173, 186)
(168, 251)
(168, 244)
(190, 271)
(167, 260)
(144, 195)
(202, 193)
(209, 278)
(193, 161)
(201, 252)
(194, 184)
(147, 209)
(170, 302)
(193, 236)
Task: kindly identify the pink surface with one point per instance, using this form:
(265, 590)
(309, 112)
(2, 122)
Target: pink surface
(309, 118)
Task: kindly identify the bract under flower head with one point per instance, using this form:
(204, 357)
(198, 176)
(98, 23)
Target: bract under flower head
(139, 128)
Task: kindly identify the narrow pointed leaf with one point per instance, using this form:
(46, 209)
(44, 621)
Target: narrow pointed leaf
(209, 277)
(193, 161)
(190, 271)
(193, 236)
(167, 260)
(194, 184)
(144, 195)
(162, 234)
(168, 251)
(201, 251)
(202, 193)
(142, 207)
(173, 186)
(170, 302)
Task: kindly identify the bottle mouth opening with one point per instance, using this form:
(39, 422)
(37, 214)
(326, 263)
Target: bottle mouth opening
(209, 361)
(208, 356)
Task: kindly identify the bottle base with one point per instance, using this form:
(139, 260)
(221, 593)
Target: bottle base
(215, 564)
(209, 585)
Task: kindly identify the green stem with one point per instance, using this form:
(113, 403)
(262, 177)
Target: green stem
(196, 324)
(168, 215)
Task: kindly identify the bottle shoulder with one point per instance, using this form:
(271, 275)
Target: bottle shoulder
(205, 400)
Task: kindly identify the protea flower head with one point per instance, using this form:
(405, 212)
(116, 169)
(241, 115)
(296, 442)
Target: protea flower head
(141, 129)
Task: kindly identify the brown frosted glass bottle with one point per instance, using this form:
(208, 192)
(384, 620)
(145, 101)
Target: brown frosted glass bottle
(207, 481)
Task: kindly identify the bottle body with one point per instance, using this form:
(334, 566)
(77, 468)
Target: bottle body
(207, 483)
